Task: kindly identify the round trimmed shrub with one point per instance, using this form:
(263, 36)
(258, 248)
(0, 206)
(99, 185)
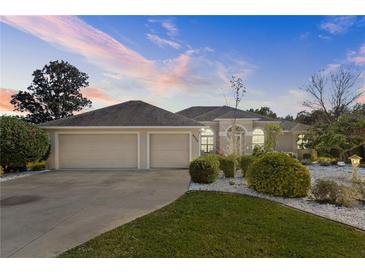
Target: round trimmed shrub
(245, 162)
(278, 174)
(21, 142)
(204, 170)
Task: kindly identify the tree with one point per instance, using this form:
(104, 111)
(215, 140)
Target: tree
(340, 137)
(359, 108)
(53, 94)
(289, 117)
(335, 98)
(21, 142)
(239, 91)
(310, 118)
(272, 133)
(266, 111)
(338, 123)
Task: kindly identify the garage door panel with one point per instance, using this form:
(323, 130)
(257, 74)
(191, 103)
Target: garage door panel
(98, 150)
(169, 150)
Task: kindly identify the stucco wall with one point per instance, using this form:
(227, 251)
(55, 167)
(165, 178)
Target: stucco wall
(287, 142)
(143, 140)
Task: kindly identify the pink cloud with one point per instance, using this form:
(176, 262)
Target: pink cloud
(74, 35)
(193, 71)
(175, 77)
(162, 42)
(357, 57)
(5, 97)
(338, 24)
(97, 94)
(170, 27)
(362, 99)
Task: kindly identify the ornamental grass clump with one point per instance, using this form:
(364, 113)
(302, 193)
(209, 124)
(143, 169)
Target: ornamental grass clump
(278, 174)
(328, 191)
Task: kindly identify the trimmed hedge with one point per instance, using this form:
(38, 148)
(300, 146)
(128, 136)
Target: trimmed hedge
(228, 165)
(278, 174)
(204, 170)
(21, 142)
(246, 161)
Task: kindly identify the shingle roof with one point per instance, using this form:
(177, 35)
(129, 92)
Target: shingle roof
(221, 112)
(193, 112)
(130, 113)
(294, 126)
(210, 113)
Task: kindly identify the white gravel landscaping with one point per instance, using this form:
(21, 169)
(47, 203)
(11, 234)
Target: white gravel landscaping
(354, 216)
(13, 176)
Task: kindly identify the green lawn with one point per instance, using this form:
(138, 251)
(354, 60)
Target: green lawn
(208, 224)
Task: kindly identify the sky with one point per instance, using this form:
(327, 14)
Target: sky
(175, 62)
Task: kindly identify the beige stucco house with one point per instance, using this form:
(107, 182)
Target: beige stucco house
(137, 135)
(250, 130)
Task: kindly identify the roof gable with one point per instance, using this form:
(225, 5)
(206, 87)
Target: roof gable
(127, 114)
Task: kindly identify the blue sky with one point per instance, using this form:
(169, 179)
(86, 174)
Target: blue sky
(179, 61)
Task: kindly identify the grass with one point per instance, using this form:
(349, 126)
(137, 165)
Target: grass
(208, 224)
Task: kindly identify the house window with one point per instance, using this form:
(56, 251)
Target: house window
(258, 137)
(207, 141)
(301, 142)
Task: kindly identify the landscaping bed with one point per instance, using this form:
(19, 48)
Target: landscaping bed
(210, 224)
(354, 216)
(16, 175)
(339, 174)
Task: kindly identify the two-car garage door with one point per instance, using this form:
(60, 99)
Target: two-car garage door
(116, 150)
(98, 151)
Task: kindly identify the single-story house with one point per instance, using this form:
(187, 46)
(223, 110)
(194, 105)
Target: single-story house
(138, 135)
(250, 130)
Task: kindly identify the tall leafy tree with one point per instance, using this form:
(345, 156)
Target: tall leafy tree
(339, 138)
(266, 111)
(53, 94)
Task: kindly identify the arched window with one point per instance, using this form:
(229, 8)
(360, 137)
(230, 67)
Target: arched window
(207, 140)
(258, 137)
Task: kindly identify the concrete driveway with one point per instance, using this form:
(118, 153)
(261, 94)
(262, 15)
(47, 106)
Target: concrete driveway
(45, 214)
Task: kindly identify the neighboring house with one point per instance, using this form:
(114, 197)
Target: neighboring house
(250, 130)
(135, 134)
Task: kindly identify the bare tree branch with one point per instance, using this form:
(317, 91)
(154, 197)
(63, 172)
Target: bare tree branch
(334, 99)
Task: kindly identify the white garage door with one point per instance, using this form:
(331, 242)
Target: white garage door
(169, 150)
(98, 151)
